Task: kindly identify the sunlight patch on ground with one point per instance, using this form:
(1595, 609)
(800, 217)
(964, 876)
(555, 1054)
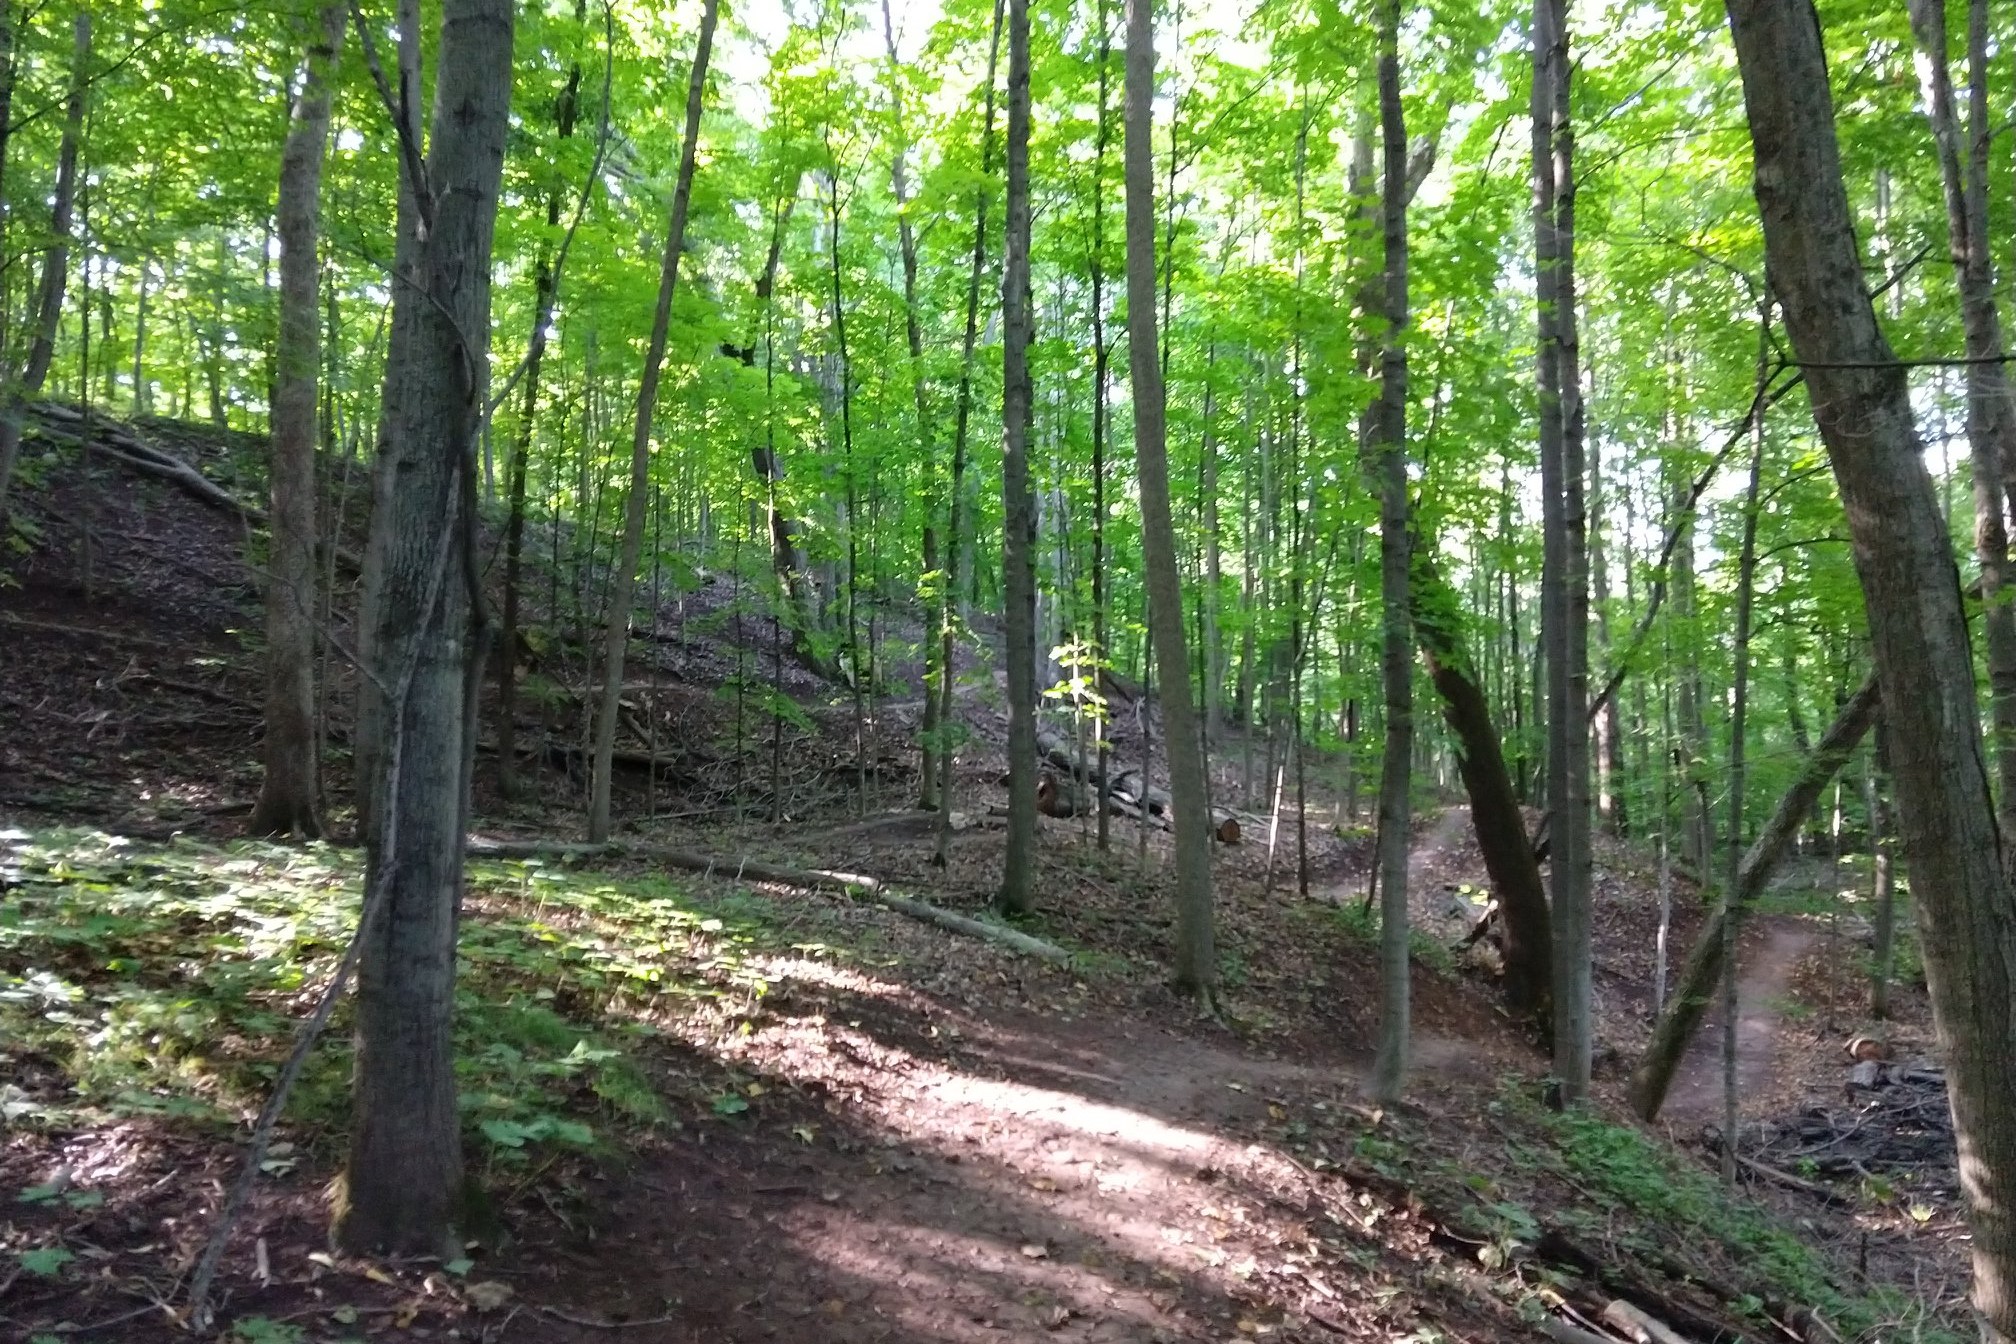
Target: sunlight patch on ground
(938, 1269)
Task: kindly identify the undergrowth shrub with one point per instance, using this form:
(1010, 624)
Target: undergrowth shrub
(1675, 1203)
(169, 979)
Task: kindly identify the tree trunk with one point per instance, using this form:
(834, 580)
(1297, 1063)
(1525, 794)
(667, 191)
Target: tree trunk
(623, 581)
(1389, 1070)
(422, 635)
(287, 802)
(1917, 614)
(955, 495)
(1018, 505)
(545, 292)
(786, 560)
(1739, 703)
(1494, 805)
(1882, 878)
(1610, 802)
(1561, 453)
(1676, 1026)
(1991, 415)
(1196, 967)
(928, 771)
(55, 263)
(1101, 370)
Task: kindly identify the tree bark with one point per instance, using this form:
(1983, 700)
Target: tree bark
(1917, 615)
(1682, 1016)
(1018, 505)
(1882, 879)
(623, 581)
(1196, 967)
(955, 495)
(1494, 804)
(545, 292)
(422, 635)
(288, 802)
(1991, 415)
(1567, 592)
(1101, 371)
(1389, 1069)
(1739, 707)
(936, 668)
(55, 263)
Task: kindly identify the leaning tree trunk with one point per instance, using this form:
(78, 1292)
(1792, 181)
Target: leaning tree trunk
(423, 632)
(1917, 614)
(1395, 782)
(1196, 961)
(55, 264)
(1689, 1003)
(287, 795)
(623, 581)
(1018, 505)
(1494, 803)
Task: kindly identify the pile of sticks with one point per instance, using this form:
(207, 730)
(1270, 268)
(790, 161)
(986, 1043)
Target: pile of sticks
(1893, 1121)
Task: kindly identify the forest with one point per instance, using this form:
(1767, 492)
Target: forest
(926, 670)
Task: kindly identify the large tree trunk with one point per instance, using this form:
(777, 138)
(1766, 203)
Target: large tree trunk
(287, 795)
(1991, 416)
(1494, 804)
(1682, 1016)
(422, 635)
(55, 264)
(1566, 590)
(1917, 615)
(623, 580)
(1018, 505)
(1389, 1070)
(1196, 960)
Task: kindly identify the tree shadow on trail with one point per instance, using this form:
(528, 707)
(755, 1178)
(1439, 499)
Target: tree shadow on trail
(909, 1170)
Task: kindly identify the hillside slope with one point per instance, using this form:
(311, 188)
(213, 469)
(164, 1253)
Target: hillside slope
(713, 1109)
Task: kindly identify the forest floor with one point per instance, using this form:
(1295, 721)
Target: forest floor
(713, 1110)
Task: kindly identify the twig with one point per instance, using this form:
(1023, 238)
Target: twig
(416, 169)
(560, 1314)
(90, 1327)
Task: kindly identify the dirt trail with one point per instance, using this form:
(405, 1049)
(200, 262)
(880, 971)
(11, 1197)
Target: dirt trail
(995, 1173)
(1771, 955)
(1029, 1177)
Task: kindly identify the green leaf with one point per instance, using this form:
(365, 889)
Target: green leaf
(46, 1261)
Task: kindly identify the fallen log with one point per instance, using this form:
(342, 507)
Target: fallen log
(1561, 1332)
(1639, 1325)
(756, 870)
(1135, 788)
